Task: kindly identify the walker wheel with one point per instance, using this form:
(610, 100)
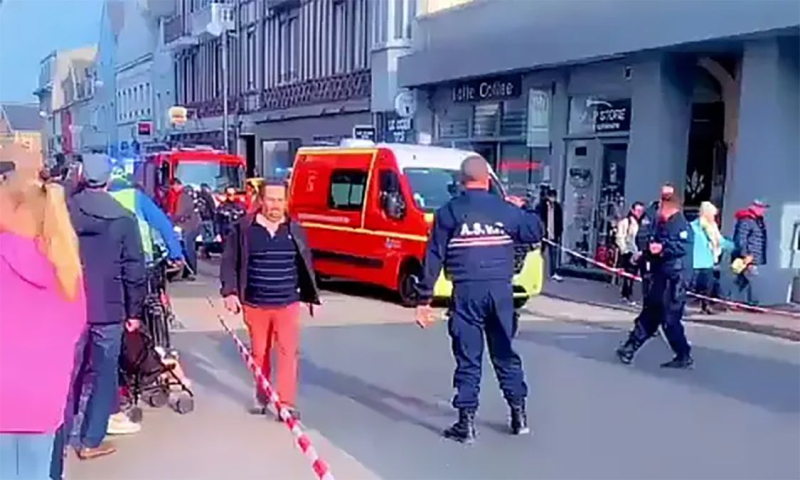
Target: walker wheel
(184, 404)
(135, 414)
(158, 399)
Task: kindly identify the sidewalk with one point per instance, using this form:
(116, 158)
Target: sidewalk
(607, 296)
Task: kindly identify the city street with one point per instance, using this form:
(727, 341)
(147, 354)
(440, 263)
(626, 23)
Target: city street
(375, 392)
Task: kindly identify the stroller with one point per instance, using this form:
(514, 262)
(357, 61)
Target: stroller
(149, 367)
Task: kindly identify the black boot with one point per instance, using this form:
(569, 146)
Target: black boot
(464, 429)
(679, 362)
(626, 351)
(519, 420)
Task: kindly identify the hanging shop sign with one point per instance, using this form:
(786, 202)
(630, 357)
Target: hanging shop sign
(488, 88)
(592, 114)
(612, 116)
(178, 115)
(399, 129)
(538, 134)
(364, 132)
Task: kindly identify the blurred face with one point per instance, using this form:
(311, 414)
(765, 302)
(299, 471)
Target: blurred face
(273, 202)
(638, 211)
(758, 210)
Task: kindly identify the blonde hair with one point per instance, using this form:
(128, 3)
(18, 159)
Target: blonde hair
(38, 210)
(708, 222)
(708, 210)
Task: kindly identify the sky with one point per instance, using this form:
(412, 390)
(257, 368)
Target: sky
(30, 29)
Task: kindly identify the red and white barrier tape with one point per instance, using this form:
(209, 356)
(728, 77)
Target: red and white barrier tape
(622, 273)
(320, 467)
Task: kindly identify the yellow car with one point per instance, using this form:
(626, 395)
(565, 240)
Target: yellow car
(527, 281)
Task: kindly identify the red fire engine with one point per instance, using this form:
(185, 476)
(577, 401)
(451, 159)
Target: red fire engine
(192, 166)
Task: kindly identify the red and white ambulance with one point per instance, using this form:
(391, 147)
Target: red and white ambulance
(368, 211)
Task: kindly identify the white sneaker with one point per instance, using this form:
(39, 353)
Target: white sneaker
(557, 278)
(120, 424)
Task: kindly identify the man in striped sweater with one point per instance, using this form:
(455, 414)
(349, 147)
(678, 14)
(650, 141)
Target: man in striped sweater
(266, 272)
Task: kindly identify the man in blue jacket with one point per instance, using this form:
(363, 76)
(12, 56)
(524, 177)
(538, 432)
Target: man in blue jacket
(473, 238)
(669, 252)
(114, 275)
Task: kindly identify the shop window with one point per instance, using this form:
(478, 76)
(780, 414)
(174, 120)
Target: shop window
(347, 189)
(485, 119)
(514, 120)
(452, 128)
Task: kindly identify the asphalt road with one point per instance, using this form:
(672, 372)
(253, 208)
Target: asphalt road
(375, 392)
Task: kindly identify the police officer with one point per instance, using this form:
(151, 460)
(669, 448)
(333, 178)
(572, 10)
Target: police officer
(645, 233)
(669, 253)
(473, 238)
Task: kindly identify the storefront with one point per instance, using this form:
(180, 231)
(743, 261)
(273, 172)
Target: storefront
(506, 119)
(596, 148)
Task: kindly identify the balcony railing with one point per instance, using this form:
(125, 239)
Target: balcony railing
(347, 86)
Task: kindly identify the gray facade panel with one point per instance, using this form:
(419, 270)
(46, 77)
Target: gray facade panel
(767, 159)
(507, 35)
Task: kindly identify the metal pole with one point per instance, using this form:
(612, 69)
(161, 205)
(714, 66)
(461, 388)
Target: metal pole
(225, 90)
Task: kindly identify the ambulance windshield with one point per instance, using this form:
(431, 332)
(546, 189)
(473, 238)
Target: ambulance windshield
(432, 187)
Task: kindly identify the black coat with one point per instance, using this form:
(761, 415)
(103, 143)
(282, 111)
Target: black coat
(558, 219)
(233, 269)
(111, 254)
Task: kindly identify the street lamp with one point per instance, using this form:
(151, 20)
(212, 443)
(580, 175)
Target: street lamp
(220, 25)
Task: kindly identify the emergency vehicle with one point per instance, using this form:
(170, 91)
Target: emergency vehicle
(192, 166)
(368, 211)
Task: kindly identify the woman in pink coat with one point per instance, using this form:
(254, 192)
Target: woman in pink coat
(42, 314)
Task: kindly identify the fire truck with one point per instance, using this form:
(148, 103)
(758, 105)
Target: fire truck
(221, 171)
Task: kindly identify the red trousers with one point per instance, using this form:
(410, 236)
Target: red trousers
(276, 327)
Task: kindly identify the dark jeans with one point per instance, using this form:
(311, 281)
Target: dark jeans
(744, 285)
(631, 268)
(61, 438)
(553, 255)
(478, 309)
(101, 351)
(664, 306)
(190, 249)
(703, 283)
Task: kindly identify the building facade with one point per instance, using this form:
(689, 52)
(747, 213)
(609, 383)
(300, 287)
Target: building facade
(138, 69)
(21, 135)
(549, 96)
(300, 72)
(61, 91)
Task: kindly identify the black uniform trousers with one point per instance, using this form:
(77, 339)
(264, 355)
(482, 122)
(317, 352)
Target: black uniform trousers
(484, 308)
(664, 305)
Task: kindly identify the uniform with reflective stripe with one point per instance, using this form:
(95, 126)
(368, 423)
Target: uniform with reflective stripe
(473, 238)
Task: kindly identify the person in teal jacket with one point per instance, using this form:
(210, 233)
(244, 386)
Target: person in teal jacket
(149, 217)
(708, 247)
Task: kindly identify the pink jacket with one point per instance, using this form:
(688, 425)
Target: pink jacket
(38, 332)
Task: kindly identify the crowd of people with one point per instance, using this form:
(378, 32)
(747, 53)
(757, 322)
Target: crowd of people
(79, 250)
(80, 254)
(721, 267)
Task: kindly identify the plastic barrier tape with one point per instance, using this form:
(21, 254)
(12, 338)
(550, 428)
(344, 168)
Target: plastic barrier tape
(622, 273)
(320, 467)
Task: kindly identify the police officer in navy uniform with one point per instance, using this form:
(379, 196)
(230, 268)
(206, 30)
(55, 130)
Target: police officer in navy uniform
(669, 252)
(473, 238)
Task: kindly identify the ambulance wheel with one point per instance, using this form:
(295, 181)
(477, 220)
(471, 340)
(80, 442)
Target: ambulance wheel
(520, 302)
(407, 286)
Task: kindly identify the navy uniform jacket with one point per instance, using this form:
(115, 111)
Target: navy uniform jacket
(473, 238)
(677, 237)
